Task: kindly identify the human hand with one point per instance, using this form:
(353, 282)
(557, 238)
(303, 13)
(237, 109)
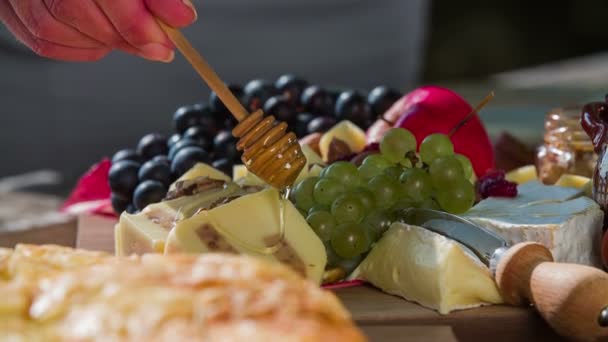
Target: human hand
(87, 30)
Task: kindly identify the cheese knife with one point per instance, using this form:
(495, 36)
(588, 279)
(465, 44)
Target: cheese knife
(572, 298)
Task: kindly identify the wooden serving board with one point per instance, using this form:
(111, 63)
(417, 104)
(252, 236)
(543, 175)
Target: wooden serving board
(388, 318)
(371, 307)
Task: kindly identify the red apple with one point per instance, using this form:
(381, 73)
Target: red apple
(432, 109)
(376, 131)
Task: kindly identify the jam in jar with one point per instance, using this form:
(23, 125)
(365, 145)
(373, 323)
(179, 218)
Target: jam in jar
(594, 120)
(567, 147)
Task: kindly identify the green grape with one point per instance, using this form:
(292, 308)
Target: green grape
(416, 184)
(366, 198)
(406, 163)
(429, 203)
(467, 167)
(351, 239)
(303, 213)
(323, 172)
(368, 171)
(349, 265)
(326, 191)
(333, 259)
(435, 146)
(302, 193)
(394, 172)
(344, 172)
(402, 204)
(445, 170)
(323, 223)
(385, 190)
(457, 197)
(317, 207)
(395, 143)
(348, 208)
(378, 160)
(378, 221)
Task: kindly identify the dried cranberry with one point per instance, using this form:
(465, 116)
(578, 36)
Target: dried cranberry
(373, 147)
(494, 184)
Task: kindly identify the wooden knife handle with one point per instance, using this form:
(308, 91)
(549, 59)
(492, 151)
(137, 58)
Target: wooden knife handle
(572, 298)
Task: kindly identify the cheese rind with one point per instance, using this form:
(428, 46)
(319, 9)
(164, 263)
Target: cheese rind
(202, 170)
(568, 225)
(250, 224)
(429, 269)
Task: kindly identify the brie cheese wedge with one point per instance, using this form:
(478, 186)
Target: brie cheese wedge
(568, 224)
(428, 268)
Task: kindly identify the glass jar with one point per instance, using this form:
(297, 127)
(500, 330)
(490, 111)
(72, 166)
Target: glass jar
(567, 148)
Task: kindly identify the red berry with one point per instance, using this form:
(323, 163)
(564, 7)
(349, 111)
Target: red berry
(494, 184)
(373, 147)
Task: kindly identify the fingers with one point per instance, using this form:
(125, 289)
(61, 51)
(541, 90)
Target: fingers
(176, 13)
(84, 16)
(138, 27)
(128, 25)
(41, 24)
(45, 48)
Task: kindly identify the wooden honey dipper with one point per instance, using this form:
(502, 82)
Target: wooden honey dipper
(269, 151)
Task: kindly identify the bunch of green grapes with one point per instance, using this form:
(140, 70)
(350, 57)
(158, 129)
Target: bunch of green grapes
(349, 208)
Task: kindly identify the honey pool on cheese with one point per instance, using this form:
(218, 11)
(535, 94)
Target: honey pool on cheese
(249, 225)
(427, 268)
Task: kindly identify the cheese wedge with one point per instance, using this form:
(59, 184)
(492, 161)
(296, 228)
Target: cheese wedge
(202, 170)
(348, 133)
(147, 231)
(561, 218)
(522, 175)
(242, 176)
(574, 181)
(251, 225)
(427, 268)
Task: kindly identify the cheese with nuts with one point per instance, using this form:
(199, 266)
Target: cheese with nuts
(428, 268)
(560, 218)
(147, 231)
(251, 225)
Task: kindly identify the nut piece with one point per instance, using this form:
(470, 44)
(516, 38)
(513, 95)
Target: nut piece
(194, 186)
(338, 150)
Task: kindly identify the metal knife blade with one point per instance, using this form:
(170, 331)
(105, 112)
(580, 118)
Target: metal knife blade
(484, 243)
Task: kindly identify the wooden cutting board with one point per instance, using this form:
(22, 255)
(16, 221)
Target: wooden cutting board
(388, 318)
(371, 307)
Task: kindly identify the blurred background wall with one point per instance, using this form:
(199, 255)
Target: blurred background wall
(67, 116)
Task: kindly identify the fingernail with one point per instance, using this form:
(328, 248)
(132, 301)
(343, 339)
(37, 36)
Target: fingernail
(157, 52)
(189, 4)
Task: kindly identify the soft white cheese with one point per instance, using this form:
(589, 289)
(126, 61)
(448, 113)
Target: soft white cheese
(428, 268)
(568, 224)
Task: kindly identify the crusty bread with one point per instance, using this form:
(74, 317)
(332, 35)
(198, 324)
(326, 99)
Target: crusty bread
(87, 296)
